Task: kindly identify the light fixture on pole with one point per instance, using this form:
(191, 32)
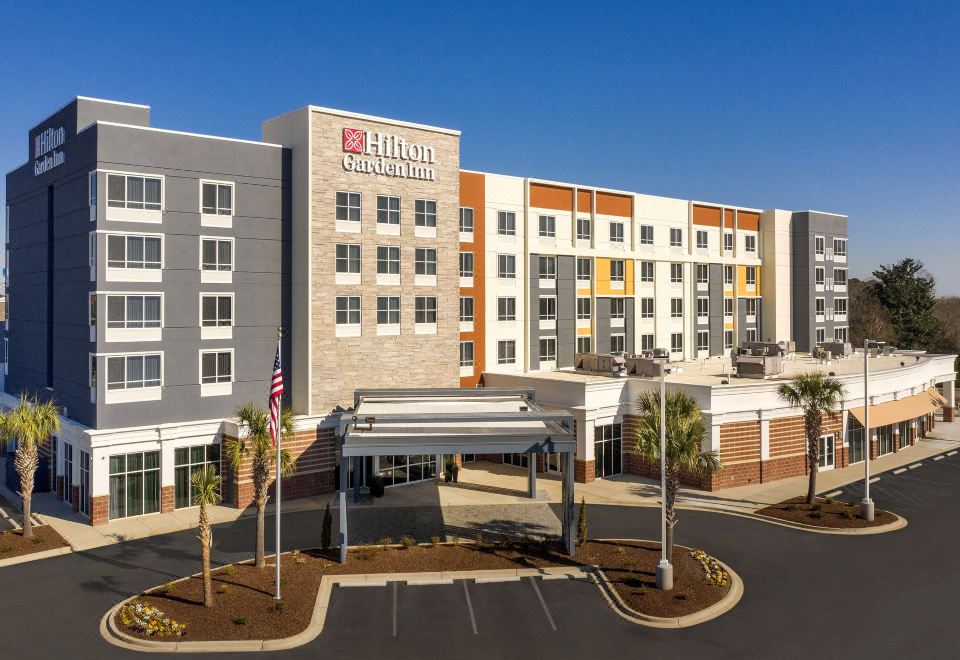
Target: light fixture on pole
(866, 505)
(664, 571)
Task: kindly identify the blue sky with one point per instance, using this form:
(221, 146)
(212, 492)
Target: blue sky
(850, 107)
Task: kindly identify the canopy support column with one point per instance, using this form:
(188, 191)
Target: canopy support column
(532, 475)
(357, 470)
(568, 504)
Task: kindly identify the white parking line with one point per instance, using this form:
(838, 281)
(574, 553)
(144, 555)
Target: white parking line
(951, 453)
(900, 470)
(915, 466)
(543, 603)
(875, 480)
(836, 493)
(473, 619)
(938, 458)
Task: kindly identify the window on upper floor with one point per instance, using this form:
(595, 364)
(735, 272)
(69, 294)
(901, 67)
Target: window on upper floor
(646, 271)
(750, 243)
(134, 311)
(388, 310)
(388, 210)
(583, 309)
(750, 306)
(466, 220)
(506, 266)
(216, 311)
(676, 342)
(126, 251)
(547, 267)
(676, 237)
(703, 274)
(548, 349)
(819, 245)
(506, 309)
(702, 240)
(839, 247)
(425, 309)
(819, 306)
(728, 307)
(547, 226)
(618, 308)
(819, 276)
(466, 309)
(840, 276)
(216, 367)
(348, 310)
(728, 274)
(348, 206)
(348, 257)
(425, 261)
(616, 232)
(676, 273)
(617, 270)
(132, 372)
(388, 260)
(728, 241)
(646, 234)
(703, 308)
(506, 223)
(134, 192)
(703, 340)
(425, 213)
(506, 351)
(216, 198)
(548, 308)
(466, 264)
(646, 308)
(584, 268)
(466, 354)
(751, 275)
(676, 308)
(839, 306)
(583, 229)
(217, 254)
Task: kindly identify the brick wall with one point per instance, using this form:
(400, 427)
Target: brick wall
(166, 499)
(99, 509)
(584, 471)
(60, 487)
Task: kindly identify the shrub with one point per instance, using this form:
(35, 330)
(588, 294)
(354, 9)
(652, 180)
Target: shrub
(36, 540)
(223, 588)
(326, 532)
(816, 515)
(298, 557)
(165, 588)
(278, 606)
(365, 552)
(6, 548)
(850, 513)
(582, 522)
(828, 500)
(790, 507)
(228, 570)
(384, 542)
(434, 540)
(407, 542)
(150, 621)
(242, 620)
(684, 594)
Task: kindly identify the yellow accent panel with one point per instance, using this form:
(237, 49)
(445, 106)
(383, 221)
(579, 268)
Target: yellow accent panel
(742, 282)
(584, 332)
(603, 278)
(728, 326)
(583, 292)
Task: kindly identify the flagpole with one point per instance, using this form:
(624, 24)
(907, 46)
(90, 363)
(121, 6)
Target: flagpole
(277, 433)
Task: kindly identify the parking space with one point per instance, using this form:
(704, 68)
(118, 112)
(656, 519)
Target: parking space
(10, 517)
(913, 488)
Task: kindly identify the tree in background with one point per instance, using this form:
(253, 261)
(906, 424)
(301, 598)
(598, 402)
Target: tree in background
(907, 292)
(869, 319)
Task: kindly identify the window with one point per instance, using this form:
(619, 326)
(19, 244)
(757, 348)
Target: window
(507, 223)
(348, 258)
(506, 309)
(548, 308)
(728, 307)
(216, 311)
(703, 274)
(701, 239)
(646, 271)
(840, 277)
(217, 199)
(676, 237)
(728, 274)
(548, 226)
(703, 340)
(425, 309)
(134, 484)
(547, 267)
(348, 206)
(703, 308)
(608, 450)
(466, 309)
(583, 229)
(583, 309)
(646, 234)
(93, 365)
(676, 273)
(750, 306)
(728, 241)
(646, 308)
(751, 275)
(583, 344)
(617, 308)
(466, 264)
(840, 306)
(616, 232)
(584, 269)
(617, 269)
(840, 334)
(727, 339)
(646, 342)
(506, 266)
(217, 254)
(132, 312)
(548, 349)
(506, 351)
(388, 260)
(388, 310)
(618, 343)
(425, 213)
(676, 342)
(840, 247)
(91, 311)
(819, 245)
(751, 334)
(821, 335)
(216, 367)
(676, 308)
(91, 201)
(388, 210)
(186, 461)
(130, 372)
(466, 220)
(819, 306)
(134, 251)
(134, 192)
(750, 243)
(426, 261)
(348, 310)
(819, 276)
(466, 354)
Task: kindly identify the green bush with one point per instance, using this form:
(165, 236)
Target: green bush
(242, 620)
(407, 542)
(6, 548)
(816, 515)
(326, 531)
(228, 570)
(37, 540)
(384, 542)
(223, 588)
(434, 540)
(278, 606)
(850, 513)
(582, 522)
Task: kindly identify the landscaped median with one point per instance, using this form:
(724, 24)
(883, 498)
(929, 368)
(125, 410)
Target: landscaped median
(245, 616)
(831, 516)
(45, 542)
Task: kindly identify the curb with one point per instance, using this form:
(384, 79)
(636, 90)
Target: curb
(44, 554)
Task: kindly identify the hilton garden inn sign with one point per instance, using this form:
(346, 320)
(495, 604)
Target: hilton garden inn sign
(372, 152)
(47, 152)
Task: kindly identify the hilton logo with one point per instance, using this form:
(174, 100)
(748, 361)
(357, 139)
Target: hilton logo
(383, 147)
(354, 140)
(47, 141)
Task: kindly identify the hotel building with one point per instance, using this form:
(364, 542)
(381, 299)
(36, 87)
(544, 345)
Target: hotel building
(148, 271)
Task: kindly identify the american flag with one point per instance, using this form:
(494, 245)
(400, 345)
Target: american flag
(276, 391)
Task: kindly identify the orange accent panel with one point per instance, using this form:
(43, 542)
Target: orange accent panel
(706, 216)
(551, 197)
(583, 292)
(584, 332)
(728, 218)
(610, 204)
(748, 220)
(583, 201)
(473, 195)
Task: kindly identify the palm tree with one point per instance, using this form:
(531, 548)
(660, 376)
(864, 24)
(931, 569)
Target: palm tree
(206, 492)
(818, 395)
(256, 445)
(31, 422)
(684, 451)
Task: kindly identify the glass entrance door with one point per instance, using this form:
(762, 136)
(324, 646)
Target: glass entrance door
(826, 452)
(607, 445)
(884, 440)
(68, 472)
(84, 483)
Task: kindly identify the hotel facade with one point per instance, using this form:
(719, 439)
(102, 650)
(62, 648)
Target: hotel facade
(148, 271)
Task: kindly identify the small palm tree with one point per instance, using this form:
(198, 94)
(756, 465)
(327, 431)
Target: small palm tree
(206, 492)
(684, 451)
(31, 422)
(818, 395)
(256, 445)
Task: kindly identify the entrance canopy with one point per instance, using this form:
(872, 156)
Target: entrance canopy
(901, 410)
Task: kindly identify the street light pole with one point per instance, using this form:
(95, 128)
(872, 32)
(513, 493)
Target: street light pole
(664, 571)
(866, 505)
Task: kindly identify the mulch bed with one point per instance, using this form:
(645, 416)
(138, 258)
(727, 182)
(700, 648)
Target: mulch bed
(12, 543)
(630, 566)
(834, 514)
(245, 591)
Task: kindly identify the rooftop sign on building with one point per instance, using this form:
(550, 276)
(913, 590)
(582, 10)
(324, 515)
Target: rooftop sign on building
(373, 152)
(47, 152)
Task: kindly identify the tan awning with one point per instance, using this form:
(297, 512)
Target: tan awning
(901, 410)
(939, 398)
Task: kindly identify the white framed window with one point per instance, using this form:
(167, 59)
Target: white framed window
(466, 354)
(548, 308)
(703, 340)
(466, 309)
(506, 351)
(583, 344)
(134, 312)
(751, 275)
(676, 237)
(820, 306)
(727, 339)
(703, 274)
(425, 261)
(137, 192)
(840, 277)
(750, 243)
(676, 342)
(840, 306)
(216, 259)
(348, 258)
(92, 368)
(646, 342)
(703, 308)
(388, 310)
(646, 271)
(618, 308)
(507, 223)
(388, 260)
(466, 220)
(466, 264)
(728, 275)
(821, 335)
(676, 273)
(616, 232)
(583, 229)
(618, 343)
(547, 226)
(216, 372)
(751, 334)
(506, 266)
(506, 309)
(646, 234)
(216, 315)
(728, 307)
(348, 206)
(676, 308)
(348, 316)
(617, 270)
(548, 349)
(750, 306)
(702, 240)
(583, 309)
(134, 252)
(547, 267)
(92, 314)
(134, 377)
(819, 276)
(839, 247)
(425, 310)
(91, 201)
(425, 213)
(216, 203)
(646, 308)
(91, 261)
(388, 210)
(819, 245)
(584, 269)
(840, 334)
(728, 241)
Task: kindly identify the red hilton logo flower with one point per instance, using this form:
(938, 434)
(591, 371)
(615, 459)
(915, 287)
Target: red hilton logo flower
(354, 140)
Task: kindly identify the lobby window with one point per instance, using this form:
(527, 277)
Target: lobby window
(676, 273)
(348, 310)
(216, 311)
(820, 306)
(348, 206)
(217, 198)
(506, 266)
(506, 309)
(466, 354)
(548, 349)
(507, 351)
(133, 372)
(388, 310)
(819, 245)
(388, 210)
(840, 306)
(840, 247)
(728, 307)
(425, 309)
(134, 484)
(618, 308)
(727, 339)
(646, 271)
(616, 232)
(466, 309)
(751, 275)
(703, 274)
(646, 342)
(466, 220)
(583, 344)
(676, 237)
(425, 213)
(348, 257)
(821, 335)
(583, 309)
(134, 192)
(133, 312)
(548, 226)
(547, 267)
(216, 367)
(583, 229)
(676, 308)
(819, 276)
(617, 270)
(676, 342)
(584, 269)
(840, 277)
(703, 341)
(618, 343)
(728, 241)
(703, 308)
(466, 264)
(507, 223)
(186, 461)
(701, 239)
(750, 243)
(425, 261)
(646, 308)
(750, 306)
(548, 308)
(646, 234)
(388, 260)
(217, 254)
(728, 274)
(134, 252)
